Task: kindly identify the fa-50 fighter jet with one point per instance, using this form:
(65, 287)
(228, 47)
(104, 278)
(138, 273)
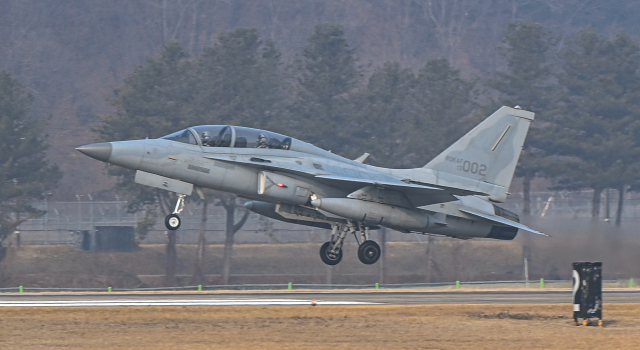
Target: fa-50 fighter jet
(296, 182)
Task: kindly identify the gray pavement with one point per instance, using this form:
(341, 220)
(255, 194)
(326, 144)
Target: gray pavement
(304, 298)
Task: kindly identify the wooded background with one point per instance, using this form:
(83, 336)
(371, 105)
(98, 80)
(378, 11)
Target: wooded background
(72, 54)
(399, 79)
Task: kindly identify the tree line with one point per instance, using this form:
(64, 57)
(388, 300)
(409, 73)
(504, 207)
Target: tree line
(71, 54)
(585, 92)
(584, 89)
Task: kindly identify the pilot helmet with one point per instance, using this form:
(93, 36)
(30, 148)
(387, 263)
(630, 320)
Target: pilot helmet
(262, 138)
(206, 136)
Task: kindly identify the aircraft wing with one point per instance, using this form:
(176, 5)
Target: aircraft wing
(417, 194)
(503, 221)
(452, 190)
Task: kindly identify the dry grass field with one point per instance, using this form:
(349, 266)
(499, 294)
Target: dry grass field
(321, 327)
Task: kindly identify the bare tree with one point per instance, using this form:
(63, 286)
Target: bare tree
(429, 272)
(382, 264)
(198, 273)
(230, 204)
(164, 198)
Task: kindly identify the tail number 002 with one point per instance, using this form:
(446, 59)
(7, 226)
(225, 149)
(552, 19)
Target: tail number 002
(473, 168)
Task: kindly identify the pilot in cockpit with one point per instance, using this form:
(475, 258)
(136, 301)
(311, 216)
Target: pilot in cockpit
(262, 141)
(206, 139)
(286, 143)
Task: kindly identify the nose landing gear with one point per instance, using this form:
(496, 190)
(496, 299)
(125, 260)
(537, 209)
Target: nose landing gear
(173, 221)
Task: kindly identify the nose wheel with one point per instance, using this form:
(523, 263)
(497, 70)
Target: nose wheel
(173, 221)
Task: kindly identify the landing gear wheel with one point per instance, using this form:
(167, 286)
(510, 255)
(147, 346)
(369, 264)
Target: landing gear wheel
(326, 255)
(172, 222)
(369, 252)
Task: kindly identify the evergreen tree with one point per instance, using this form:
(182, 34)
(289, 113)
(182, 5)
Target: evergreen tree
(25, 172)
(239, 81)
(442, 101)
(235, 82)
(382, 112)
(529, 83)
(600, 116)
(154, 101)
(404, 119)
(327, 72)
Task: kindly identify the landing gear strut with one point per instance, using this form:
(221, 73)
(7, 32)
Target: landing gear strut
(331, 252)
(368, 251)
(173, 221)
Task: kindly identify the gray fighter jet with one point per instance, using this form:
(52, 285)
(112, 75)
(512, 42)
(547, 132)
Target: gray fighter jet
(296, 182)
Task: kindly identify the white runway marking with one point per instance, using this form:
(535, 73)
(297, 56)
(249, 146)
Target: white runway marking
(205, 302)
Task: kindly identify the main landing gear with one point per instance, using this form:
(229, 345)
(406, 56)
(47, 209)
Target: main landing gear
(368, 251)
(173, 221)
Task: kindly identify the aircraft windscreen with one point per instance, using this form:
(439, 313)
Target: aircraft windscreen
(253, 138)
(214, 135)
(184, 136)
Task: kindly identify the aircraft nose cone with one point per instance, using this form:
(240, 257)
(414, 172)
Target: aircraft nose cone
(100, 151)
(249, 205)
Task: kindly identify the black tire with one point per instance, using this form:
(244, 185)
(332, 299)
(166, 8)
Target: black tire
(172, 222)
(326, 257)
(369, 252)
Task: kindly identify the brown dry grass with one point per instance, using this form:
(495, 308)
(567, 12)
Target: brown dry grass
(322, 327)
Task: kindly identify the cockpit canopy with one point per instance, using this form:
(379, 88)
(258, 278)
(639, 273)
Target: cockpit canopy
(230, 136)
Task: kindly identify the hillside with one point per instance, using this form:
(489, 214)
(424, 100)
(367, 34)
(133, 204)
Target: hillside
(72, 54)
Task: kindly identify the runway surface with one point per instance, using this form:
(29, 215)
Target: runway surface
(304, 298)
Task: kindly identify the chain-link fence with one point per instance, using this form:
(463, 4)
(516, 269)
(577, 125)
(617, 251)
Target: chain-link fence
(575, 204)
(64, 220)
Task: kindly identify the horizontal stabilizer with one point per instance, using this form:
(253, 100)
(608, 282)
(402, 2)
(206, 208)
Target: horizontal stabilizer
(503, 221)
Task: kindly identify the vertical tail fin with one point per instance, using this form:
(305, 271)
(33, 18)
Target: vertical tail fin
(490, 151)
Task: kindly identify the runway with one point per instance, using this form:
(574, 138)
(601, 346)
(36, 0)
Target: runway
(300, 298)
(173, 302)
